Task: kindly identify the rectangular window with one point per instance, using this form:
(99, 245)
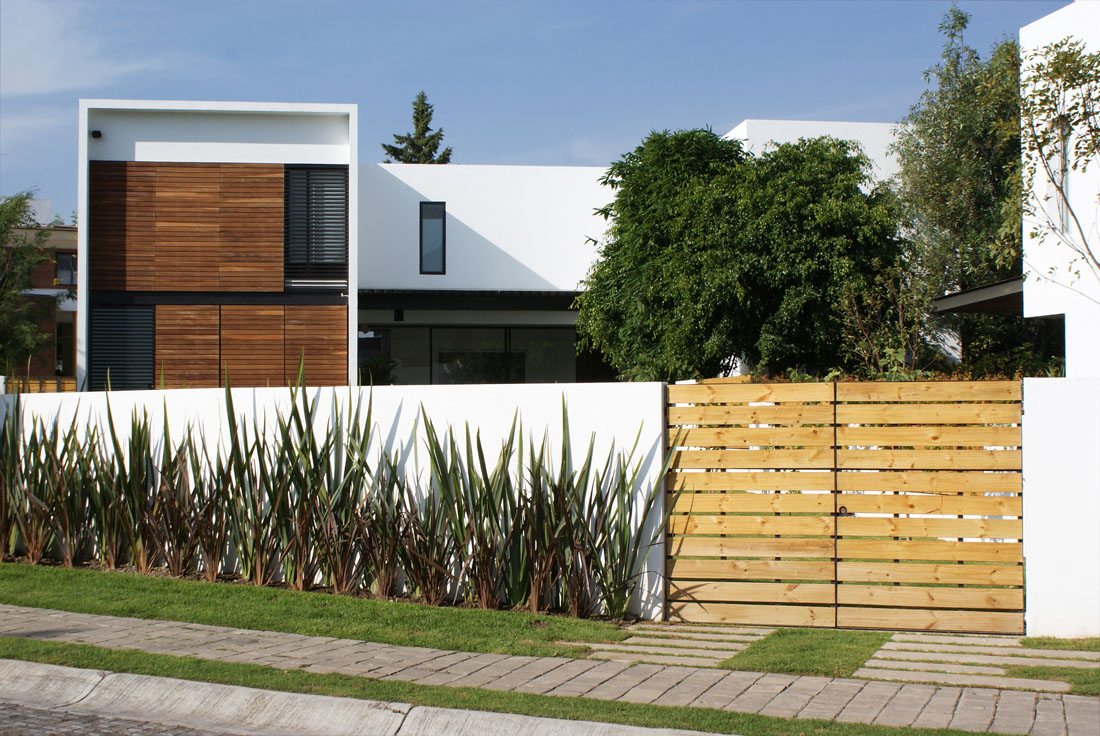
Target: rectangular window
(66, 269)
(122, 347)
(433, 237)
(315, 224)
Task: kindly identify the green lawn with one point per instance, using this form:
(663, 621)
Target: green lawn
(315, 614)
(1082, 681)
(1090, 644)
(827, 652)
(187, 668)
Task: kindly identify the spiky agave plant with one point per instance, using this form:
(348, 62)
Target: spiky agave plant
(134, 475)
(178, 514)
(32, 500)
(212, 505)
(336, 535)
(11, 468)
(70, 473)
(305, 462)
(381, 520)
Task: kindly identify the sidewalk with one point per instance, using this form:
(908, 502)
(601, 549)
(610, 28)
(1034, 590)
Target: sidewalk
(845, 700)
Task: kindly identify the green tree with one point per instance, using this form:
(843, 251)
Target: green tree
(1061, 134)
(21, 249)
(419, 146)
(959, 182)
(713, 256)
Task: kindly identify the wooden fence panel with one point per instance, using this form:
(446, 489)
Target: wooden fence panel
(752, 525)
(861, 505)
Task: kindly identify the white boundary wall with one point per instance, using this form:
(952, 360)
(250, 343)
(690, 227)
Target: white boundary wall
(613, 414)
(1062, 506)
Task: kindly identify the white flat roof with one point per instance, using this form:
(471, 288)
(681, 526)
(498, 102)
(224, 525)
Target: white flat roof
(282, 108)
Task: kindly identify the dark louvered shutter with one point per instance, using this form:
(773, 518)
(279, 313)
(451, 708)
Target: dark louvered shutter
(316, 223)
(122, 347)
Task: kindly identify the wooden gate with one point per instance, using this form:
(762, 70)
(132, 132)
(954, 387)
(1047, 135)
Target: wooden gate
(856, 505)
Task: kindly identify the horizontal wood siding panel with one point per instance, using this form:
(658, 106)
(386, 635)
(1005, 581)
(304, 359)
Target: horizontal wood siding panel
(930, 573)
(995, 622)
(121, 226)
(252, 345)
(683, 569)
(187, 345)
(754, 436)
(752, 548)
(743, 459)
(752, 592)
(743, 503)
(879, 526)
(251, 227)
(934, 436)
(867, 549)
(760, 615)
(930, 391)
(932, 482)
(741, 415)
(188, 224)
(751, 481)
(743, 525)
(925, 414)
(929, 459)
(319, 336)
(928, 597)
(743, 393)
(929, 504)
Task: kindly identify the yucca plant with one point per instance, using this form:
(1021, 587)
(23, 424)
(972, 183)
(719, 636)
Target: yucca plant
(304, 462)
(70, 473)
(175, 503)
(11, 453)
(133, 476)
(211, 505)
(541, 533)
(32, 497)
(337, 535)
(257, 485)
(381, 520)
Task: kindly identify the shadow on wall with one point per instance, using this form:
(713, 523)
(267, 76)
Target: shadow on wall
(389, 217)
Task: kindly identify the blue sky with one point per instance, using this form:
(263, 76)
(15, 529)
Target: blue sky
(512, 82)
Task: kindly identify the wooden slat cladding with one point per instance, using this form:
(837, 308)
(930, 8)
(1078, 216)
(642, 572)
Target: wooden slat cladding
(865, 505)
(122, 226)
(317, 336)
(188, 204)
(187, 345)
(736, 530)
(158, 226)
(251, 345)
(251, 227)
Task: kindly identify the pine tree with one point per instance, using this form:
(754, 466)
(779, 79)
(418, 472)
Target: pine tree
(419, 146)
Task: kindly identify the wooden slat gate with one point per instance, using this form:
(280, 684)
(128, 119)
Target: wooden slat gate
(855, 505)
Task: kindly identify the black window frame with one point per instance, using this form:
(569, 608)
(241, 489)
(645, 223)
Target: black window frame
(69, 258)
(309, 269)
(443, 221)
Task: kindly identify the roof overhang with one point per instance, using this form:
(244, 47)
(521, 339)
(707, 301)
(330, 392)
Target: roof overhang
(465, 299)
(1002, 297)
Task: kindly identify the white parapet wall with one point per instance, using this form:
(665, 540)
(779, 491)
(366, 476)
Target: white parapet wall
(1061, 458)
(612, 416)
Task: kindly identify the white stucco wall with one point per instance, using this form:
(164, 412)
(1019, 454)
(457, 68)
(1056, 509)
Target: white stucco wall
(1061, 460)
(614, 415)
(875, 138)
(510, 228)
(1054, 283)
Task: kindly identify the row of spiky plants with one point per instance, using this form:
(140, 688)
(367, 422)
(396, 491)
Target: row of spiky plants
(317, 501)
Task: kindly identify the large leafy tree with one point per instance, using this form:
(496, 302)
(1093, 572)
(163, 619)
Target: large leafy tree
(21, 241)
(421, 146)
(960, 185)
(714, 257)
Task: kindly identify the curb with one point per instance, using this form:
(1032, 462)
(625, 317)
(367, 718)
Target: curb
(243, 710)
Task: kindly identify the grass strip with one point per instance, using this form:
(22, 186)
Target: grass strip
(1082, 681)
(826, 652)
(313, 614)
(1088, 644)
(297, 681)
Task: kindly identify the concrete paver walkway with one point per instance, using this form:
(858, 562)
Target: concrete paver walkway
(679, 644)
(846, 700)
(967, 659)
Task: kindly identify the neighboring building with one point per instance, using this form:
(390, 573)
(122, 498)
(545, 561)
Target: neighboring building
(874, 138)
(52, 280)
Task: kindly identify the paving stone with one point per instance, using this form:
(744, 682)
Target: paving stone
(762, 692)
(795, 697)
(724, 691)
(984, 659)
(656, 659)
(905, 706)
(616, 686)
(975, 709)
(547, 682)
(691, 687)
(526, 673)
(990, 641)
(868, 702)
(673, 634)
(960, 669)
(832, 699)
(1015, 712)
(668, 651)
(1011, 651)
(700, 629)
(947, 678)
(1050, 718)
(1082, 715)
(650, 641)
(655, 685)
(587, 681)
(494, 671)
